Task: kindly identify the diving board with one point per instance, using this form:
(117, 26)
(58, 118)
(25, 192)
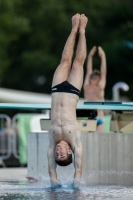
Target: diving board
(124, 106)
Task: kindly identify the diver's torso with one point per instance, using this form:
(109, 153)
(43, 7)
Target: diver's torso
(64, 124)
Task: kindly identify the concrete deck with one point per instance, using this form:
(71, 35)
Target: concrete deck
(13, 174)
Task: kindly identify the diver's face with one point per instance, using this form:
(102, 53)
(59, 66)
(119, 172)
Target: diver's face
(94, 82)
(62, 151)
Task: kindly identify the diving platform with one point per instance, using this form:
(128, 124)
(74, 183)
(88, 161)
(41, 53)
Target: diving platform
(86, 106)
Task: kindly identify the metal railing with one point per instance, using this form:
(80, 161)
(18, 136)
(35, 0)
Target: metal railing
(15, 142)
(5, 138)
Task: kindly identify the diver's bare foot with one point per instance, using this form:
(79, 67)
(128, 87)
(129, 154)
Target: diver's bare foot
(82, 23)
(32, 179)
(75, 22)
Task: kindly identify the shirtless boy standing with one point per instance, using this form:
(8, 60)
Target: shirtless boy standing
(94, 84)
(64, 133)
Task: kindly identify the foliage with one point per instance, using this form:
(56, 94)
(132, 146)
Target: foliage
(33, 34)
(12, 24)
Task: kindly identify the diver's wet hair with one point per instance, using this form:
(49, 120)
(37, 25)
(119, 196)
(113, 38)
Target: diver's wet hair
(95, 74)
(66, 162)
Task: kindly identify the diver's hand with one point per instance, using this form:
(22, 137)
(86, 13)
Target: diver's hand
(76, 183)
(54, 183)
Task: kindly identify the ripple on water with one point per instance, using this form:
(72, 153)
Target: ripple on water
(17, 190)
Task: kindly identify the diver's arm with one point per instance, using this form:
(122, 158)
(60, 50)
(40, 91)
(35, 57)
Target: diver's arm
(77, 163)
(52, 167)
(103, 68)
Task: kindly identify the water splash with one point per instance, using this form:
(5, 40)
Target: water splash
(24, 189)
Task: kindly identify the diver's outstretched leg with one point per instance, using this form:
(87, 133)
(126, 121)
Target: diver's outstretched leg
(76, 75)
(62, 72)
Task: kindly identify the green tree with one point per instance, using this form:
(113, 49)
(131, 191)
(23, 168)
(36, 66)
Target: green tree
(36, 44)
(11, 26)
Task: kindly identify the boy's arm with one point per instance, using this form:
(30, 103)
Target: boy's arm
(103, 69)
(89, 65)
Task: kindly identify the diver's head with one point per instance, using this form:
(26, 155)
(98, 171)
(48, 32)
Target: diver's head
(95, 77)
(63, 154)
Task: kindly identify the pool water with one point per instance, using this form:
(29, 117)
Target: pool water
(24, 190)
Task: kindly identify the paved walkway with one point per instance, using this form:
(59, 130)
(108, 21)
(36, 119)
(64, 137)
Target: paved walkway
(13, 174)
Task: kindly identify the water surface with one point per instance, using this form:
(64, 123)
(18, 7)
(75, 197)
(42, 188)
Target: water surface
(24, 190)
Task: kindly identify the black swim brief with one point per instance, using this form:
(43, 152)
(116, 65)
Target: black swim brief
(66, 88)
